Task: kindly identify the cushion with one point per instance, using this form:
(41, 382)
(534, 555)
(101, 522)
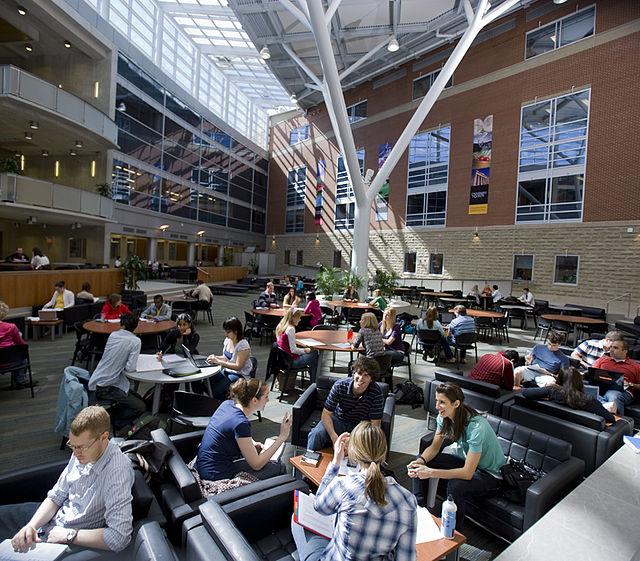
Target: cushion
(208, 487)
(478, 386)
(561, 411)
(497, 507)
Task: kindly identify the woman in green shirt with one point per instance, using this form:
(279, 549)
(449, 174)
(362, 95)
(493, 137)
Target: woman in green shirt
(473, 469)
(379, 301)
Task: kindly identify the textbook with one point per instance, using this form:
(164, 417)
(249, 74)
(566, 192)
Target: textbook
(307, 516)
(42, 551)
(632, 442)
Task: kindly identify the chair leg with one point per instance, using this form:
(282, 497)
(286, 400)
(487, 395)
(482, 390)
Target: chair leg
(30, 380)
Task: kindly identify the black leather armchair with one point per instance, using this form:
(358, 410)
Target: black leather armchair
(561, 473)
(151, 544)
(250, 529)
(180, 494)
(592, 441)
(307, 410)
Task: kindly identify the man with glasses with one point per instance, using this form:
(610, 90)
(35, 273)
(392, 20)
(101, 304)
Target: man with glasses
(89, 507)
(618, 361)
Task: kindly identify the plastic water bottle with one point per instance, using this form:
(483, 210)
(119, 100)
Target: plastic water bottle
(448, 520)
(349, 334)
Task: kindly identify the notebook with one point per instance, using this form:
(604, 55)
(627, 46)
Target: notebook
(41, 551)
(592, 391)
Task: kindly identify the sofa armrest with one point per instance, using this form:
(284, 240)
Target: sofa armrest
(30, 484)
(610, 439)
(301, 411)
(252, 489)
(550, 488)
(388, 416)
(426, 440)
(225, 533)
(151, 544)
(187, 443)
(178, 470)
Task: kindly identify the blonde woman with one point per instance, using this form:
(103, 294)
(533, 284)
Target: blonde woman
(375, 516)
(286, 340)
(369, 339)
(392, 336)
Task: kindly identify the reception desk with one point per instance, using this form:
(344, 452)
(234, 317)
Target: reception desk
(28, 288)
(210, 275)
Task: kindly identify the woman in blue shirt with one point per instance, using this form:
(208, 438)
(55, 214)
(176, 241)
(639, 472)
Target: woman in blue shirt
(227, 447)
(474, 469)
(375, 516)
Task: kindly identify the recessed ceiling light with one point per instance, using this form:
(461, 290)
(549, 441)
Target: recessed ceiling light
(28, 136)
(393, 45)
(34, 125)
(67, 44)
(78, 144)
(28, 48)
(72, 152)
(45, 153)
(559, 1)
(22, 11)
(265, 53)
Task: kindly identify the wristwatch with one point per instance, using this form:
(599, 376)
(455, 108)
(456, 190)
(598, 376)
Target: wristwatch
(71, 535)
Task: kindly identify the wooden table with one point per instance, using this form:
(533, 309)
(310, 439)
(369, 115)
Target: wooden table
(328, 338)
(144, 327)
(53, 324)
(428, 551)
(430, 295)
(453, 299)
(350, 304)
(471, 312)
(573, 320)
(524, 307)
(272, 312)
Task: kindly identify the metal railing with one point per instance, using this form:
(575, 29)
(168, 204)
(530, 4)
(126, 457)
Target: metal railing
(626, 295)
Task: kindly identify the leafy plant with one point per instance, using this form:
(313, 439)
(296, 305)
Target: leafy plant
(135, 269)
(10, 165)
(227, 257)
(104, 189)
(253, 266)
(385, 282)
(352, 279)
(328, 281)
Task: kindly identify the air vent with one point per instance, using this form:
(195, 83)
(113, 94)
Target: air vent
(129, 230)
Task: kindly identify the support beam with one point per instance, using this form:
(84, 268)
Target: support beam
(301, 64)
(332, 10)
(364, 58)
(295, 12)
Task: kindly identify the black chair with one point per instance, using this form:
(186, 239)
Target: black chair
(330, 316)
(206, 311)
(501, 328)
(430, 340)
(484, 327)
(466, 341)
(83, 344)
(250, 328)
(407, 359)
(304, 324)
(252, 374)
(280, 366)
(386, 369)
(191, 410)
(14, 359)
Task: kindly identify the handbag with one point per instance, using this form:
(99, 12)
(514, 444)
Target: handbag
(517, 477)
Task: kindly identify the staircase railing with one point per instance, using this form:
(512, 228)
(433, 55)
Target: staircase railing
(626, 295)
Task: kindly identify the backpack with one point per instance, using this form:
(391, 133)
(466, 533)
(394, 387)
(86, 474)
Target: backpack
(517, 477)
(142, 427)
(408, 393)
(147, 457)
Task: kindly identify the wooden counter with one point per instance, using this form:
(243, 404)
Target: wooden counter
(211, 275)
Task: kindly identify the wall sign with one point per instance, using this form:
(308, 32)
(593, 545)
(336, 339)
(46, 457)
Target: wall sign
(481, 165)
(321, 171)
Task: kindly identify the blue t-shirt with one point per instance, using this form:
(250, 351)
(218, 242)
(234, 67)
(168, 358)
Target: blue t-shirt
(219, 447)
(551, 361)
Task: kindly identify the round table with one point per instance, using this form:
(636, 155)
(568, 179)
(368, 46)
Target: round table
(158, 378)
(144, 327)
(573, 320)
(330, 339)
(452, 299)
(349, 304)
(272, 312)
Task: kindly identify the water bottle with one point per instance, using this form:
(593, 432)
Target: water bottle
(349, 334)
(448, 520)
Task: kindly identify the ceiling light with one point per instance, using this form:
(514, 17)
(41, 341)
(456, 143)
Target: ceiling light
(34, 125)
(164, 227)
(45, 153)
(265, 53)
(559, 1)
(72, 152)
(28, 136)
(28, 48)
(67, 45)
(200, 233)
(78, 144)
(22, 11)
(122, 106)
(393, 45)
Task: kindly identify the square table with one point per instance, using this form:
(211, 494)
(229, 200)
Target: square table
(39, 324)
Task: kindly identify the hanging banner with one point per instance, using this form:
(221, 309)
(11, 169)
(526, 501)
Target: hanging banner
(382, 200)
(321, 169)
(481, 165)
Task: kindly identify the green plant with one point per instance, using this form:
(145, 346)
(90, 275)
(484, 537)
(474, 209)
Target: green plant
(253, 266)
(352, 279)
(385, 282)
(328, 281)
(135, 269)
(10, 165)
(227, 257)
(104, 189)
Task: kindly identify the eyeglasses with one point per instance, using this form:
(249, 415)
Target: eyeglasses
(81, 447)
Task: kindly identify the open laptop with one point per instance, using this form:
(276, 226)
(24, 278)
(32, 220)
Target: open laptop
(199, 362)
(605, 379)
(47, 315)
(592, 391)
(186, 367)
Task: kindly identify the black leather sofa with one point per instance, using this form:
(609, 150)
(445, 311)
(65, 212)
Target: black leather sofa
(592, 441)
(151, 544)
(561, 473)
(632, 327)
(307, 410)
(251, 529)
(179, 493)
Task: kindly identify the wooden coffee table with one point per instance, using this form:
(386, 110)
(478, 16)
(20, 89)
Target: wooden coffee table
(40, 324)
(427, 551)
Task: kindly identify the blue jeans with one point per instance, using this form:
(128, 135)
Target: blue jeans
(319, 437)
(310, 360)
(310, 546)
(620, 399)
(221, 382)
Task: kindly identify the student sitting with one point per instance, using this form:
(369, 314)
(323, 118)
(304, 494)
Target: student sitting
(114, 308)
(313, 308)
(268, 299)
(286, 340)
(431, 323)
(291, 299)
(379, 301)
(183, 334)
(85, 296)
(9, 336)
(158, 311)
(375, 515)
(62, 298)
(496, 368)
(591, 350)
(392, 336)
(548, 360)
(350, 294)
(227, 447)
(369, 338)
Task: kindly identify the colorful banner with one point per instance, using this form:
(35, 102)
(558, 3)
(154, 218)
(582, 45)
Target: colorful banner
(382, 200)
(481, 165)
(321, 171)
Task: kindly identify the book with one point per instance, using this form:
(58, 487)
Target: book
(41, 551)
(632, 442)
(311, 458)
(306, 515)
(427, 530)
(278, 454)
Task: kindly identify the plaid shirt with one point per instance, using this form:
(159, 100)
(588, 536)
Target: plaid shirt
(364, 530)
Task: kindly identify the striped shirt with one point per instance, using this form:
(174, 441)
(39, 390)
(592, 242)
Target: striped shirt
(96, 495)
(364, 530)
(591, 350)
(352, 408)
(120, 355)
(461, 324)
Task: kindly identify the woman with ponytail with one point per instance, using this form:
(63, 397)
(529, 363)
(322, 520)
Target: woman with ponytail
(227, 447)
(286, 340)
(375, 516)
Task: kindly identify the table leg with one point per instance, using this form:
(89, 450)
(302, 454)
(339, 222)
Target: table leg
(575, 334)
(54, 331)
(155, 407)
(454, 555)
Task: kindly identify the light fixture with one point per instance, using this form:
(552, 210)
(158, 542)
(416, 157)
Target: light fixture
(31, 219)
(164, 227)
(56, 168)
(78, 144)
(93, 168)
(45, 153)
(122, 106)
(476, 235)
(67, 45)
(393, 44)
(22, 162)
(273, 240)
(22, 11)
(28, 136)
(559, 1)
(96, 89)
(34, 125)
(28, 48)
(44, 226)
(200, 233)
(60, 86)
(72, 152)
(265, 53)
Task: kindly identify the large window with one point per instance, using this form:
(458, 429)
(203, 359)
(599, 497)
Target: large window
(552, 160)
(410, 261)
(345, 197)
(296, 185)
(428, 177)
(566, 269)
(345, 216)
(561, 32)
(357, 112)
(423, 84)
(523, 267)
(436, 263)
(299, 134)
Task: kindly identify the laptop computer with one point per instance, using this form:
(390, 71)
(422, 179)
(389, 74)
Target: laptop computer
(592, 391)
(605, 379)
(47, 315)
(199, 362)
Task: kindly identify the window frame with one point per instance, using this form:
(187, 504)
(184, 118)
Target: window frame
(287, 257)
(513, 266)
(432, 78)
(555, 265)
(297, 131)
(298, 226)
(300, 257)
(407, 261)
(431, 255)
(352, 118)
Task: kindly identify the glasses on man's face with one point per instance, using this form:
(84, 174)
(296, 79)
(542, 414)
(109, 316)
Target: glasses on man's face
(80, 447)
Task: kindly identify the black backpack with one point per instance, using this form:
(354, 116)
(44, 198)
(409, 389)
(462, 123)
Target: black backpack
(408, 393)
(517, 477)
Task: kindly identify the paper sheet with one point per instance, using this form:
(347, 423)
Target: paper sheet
(342, 345)
(148, 363)
(113, 321)
(268, 442)
(42, 551)
(428, 530)
(310, 342)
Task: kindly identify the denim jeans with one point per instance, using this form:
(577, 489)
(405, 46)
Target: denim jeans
(310, 546)
(319, 437)
(621, 399)
(310, 360)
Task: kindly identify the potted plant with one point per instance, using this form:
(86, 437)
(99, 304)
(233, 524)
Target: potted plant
(10, 165)
(253, 266)
(104, 189)
(134, 269)
(385, 282)
(328, 282)
(350, 278)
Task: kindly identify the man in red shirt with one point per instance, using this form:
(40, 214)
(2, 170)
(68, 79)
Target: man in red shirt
(617, 361)
(496, 368)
